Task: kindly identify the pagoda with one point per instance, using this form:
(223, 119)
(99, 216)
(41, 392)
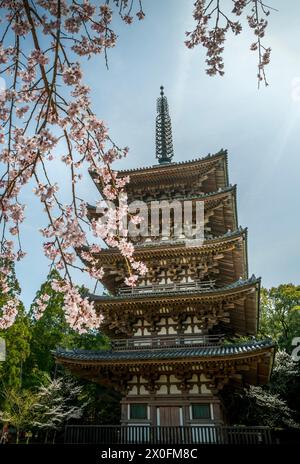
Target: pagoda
(174, 337)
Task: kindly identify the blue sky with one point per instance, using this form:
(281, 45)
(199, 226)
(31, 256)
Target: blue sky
(259, 128)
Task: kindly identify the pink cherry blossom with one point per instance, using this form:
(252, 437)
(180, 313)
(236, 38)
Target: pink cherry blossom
(126, 248)
(9, 313)
(131, 280)
(72, 75)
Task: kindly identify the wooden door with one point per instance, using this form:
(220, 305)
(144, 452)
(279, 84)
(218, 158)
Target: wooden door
(169, 416)
(169, 424)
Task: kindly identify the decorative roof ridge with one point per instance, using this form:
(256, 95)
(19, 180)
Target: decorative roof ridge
(237, 284)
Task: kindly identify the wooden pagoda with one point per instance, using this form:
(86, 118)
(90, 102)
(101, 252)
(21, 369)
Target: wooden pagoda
(172, 348)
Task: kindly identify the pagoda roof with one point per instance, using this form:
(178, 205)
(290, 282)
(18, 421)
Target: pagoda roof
(217, 351)
(203, 294)
(229, 252)
(223, 219)
(245, 363)
(179, 241)
(161, 248)
(143, 250)
(195, 161)
(166, 171)
(204, 196)
(242, 298)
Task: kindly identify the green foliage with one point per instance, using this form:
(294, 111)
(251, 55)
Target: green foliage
(49, 331)
(275, 405)
(278, 404)
(17, 340)
(18, 409)
(103, 404)
(280, 314)
(30, 364)
(285, 373)
(285, 381)
(265, 408)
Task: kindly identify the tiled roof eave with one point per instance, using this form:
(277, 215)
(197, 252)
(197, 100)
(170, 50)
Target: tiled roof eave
(236, 286)
(205, 196)
(180, 164)
(205, 354)
(175, 246)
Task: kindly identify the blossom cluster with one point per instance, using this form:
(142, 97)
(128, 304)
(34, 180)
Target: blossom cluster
(79, 311)
(9, 313)
(41, 304)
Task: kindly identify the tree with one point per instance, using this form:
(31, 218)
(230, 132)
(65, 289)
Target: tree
(268, 409)
(17, 339)
(103, 404)
(18, 409)
(56, 405)
(275, 405)
(280, 314)
(285, 381)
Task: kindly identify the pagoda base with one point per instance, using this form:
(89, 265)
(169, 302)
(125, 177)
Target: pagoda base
(145, 434)
(171, 410)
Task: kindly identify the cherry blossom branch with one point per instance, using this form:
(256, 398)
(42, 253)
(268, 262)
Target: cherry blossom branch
(60, 32)
(211, 32)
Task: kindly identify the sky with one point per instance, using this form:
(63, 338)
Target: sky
(259, 128)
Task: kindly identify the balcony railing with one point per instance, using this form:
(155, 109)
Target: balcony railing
(166, 341)
(162, 288)
(144, 434)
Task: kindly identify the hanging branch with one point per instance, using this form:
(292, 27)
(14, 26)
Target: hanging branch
(213, 25)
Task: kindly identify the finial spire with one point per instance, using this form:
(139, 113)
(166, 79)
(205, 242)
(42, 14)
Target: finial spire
(164, 145)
